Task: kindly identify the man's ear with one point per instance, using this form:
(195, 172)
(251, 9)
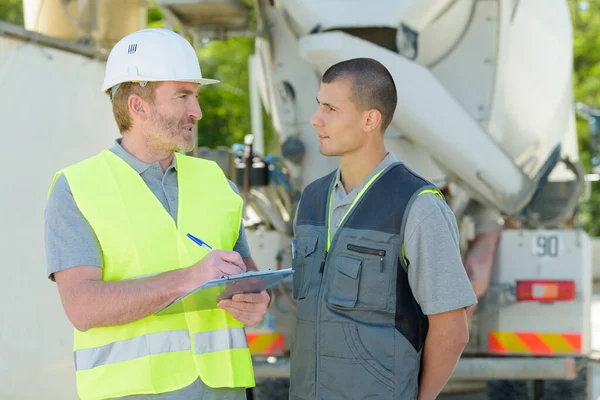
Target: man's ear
(138, 108)
(372, 121)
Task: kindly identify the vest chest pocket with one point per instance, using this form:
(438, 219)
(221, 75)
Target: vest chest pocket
(344, 288)
(303, 264)
(362, 278)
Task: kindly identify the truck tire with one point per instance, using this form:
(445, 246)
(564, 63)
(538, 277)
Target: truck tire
(513, 390)
(271, 389)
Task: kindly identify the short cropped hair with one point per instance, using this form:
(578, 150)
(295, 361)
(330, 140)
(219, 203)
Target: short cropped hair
(121, 97)
(372, 86)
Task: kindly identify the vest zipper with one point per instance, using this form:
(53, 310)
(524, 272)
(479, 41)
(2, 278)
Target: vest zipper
(317, 325)
(366, 250)
(322, 267)
(322, 271)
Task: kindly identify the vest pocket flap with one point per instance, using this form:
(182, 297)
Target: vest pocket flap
(348, 266)
(303, 263)
(308, 245)
(344, 288)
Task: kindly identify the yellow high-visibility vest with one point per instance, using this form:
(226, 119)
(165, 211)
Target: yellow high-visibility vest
(138, 237)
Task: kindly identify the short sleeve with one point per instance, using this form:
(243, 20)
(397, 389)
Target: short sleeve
(70, 240)
(436, 274)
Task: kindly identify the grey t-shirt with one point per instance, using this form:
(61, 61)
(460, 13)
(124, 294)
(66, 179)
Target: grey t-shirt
(436, 275)
(70, 242)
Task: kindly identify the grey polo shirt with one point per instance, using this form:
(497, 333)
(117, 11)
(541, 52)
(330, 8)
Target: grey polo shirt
(437, 277)
(70, 242)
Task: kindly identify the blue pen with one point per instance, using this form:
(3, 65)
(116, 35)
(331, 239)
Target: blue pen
(199, 242)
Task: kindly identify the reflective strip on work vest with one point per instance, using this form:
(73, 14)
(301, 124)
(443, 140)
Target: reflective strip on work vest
(157, 343)
(130, 349)
(223, 339)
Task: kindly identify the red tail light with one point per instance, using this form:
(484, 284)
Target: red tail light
(545, 291)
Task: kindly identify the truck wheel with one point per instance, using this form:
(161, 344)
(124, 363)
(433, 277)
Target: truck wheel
(271, 389)
(513, 390)
(575, 389)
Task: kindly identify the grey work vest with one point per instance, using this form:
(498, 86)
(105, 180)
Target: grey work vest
(359, 331)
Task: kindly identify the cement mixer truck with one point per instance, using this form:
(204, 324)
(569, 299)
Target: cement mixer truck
(485, 111)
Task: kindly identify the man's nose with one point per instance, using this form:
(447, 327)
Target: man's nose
(195, 110)
(316, 120)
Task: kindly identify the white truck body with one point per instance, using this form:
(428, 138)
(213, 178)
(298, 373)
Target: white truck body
(485, 110)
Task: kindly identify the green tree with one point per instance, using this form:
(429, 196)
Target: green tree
(586, 84)
(11, 11)
(226, 105)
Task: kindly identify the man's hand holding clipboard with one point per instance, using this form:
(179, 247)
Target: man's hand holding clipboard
(223, 282)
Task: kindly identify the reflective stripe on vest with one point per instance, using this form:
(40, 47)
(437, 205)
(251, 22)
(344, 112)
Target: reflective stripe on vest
(157, 343)
(209, 342)
(138, 238)
(130, 349)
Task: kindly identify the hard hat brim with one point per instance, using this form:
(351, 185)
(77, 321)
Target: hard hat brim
(202, 81)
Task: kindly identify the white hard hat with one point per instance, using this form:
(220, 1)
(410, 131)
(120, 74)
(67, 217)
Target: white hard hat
(152, 55)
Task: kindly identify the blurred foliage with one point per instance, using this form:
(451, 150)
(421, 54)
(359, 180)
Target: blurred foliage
(586, 85)
(11, 11)
(226, 106)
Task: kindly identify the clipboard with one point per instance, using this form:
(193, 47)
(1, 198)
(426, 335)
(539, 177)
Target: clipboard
(208, 295)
